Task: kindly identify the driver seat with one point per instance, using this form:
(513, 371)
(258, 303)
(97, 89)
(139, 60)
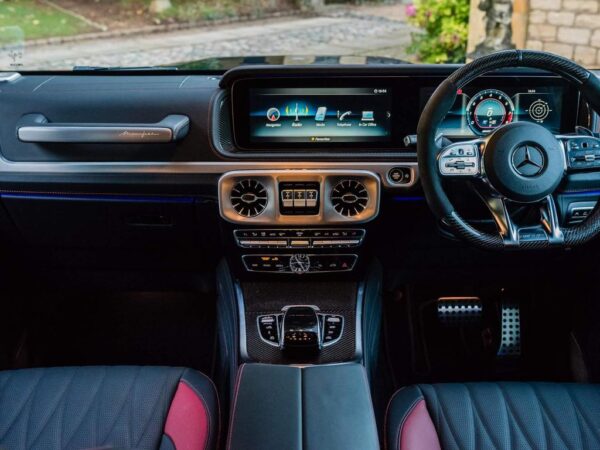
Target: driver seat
(498, 416)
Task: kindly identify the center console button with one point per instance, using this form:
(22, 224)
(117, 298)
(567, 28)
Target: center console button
(332, 328)
(268, 327)
(312, 196)
(287, 198)
(299, 198)
(299, 243)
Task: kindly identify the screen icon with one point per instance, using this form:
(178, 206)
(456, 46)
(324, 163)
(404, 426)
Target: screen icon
(321, 113)
(343, 115)
(273, 114)
(368, 116)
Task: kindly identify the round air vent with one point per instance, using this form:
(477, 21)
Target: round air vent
(249, 198)
(349, 198)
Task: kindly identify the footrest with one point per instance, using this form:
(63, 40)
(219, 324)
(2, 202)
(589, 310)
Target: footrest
(459, 311)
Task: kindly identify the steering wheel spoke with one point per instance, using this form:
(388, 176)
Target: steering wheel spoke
(546, 233)
(461, 159)
(582, 152)
(498, 207)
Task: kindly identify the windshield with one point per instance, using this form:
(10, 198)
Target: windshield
(218, 34)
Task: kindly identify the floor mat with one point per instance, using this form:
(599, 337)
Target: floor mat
(148, 328)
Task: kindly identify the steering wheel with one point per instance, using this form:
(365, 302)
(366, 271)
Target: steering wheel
(518, 163)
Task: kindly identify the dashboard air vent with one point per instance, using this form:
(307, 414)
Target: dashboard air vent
(349, 198)
(249, 198)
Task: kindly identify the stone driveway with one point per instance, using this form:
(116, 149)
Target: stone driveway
(355, 32)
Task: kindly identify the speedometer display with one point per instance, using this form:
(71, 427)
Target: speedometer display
(489, 109)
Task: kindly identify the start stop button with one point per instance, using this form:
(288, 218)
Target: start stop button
(400, 175)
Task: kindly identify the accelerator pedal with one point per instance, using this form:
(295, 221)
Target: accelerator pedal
(510, 331)
(459, 311)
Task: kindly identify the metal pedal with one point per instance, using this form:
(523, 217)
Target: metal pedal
(510, 329)
(459, 311)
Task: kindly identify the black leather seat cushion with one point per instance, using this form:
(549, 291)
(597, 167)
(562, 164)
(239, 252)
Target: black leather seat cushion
(499, 416)
(108, 407)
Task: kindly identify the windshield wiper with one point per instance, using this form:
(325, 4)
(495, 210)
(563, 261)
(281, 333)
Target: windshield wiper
(121, 68)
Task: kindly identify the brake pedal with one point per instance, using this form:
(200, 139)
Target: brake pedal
(459, 311)
(510, 331)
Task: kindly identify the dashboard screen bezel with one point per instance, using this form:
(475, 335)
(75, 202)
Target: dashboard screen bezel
(240, 100)
(407, 103)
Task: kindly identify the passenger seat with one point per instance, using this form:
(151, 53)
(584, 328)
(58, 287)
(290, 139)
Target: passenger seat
(117, 407)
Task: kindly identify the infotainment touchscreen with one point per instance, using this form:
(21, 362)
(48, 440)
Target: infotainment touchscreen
(320, 115)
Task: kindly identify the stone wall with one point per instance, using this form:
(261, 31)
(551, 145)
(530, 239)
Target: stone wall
(570, 28)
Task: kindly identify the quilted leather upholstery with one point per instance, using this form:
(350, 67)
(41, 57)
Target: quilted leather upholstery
(91, 407)
(503, 416)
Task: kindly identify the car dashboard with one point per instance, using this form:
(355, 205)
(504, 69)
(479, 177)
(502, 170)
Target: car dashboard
(290, 165)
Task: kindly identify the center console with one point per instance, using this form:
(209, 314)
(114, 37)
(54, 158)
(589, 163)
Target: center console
(296, 243)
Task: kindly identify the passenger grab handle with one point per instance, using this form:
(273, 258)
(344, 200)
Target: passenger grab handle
(36, 128)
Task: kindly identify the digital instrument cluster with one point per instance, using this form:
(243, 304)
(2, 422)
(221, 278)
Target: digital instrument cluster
(479, 112)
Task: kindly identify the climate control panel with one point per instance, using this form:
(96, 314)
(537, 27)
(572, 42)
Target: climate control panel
(299, 238)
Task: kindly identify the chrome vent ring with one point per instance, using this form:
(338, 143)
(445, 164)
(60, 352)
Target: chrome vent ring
(349, 198)
(249, 198)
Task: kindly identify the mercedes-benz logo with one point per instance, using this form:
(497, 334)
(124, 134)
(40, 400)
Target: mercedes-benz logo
(528, 160)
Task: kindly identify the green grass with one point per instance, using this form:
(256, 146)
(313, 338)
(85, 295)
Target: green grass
(200, 10)
(188, 11)
(37, 20)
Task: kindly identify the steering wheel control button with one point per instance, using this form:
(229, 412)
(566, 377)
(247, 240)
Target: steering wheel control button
(583, 152)
(459, 160)
(524, 161)
(400, 175)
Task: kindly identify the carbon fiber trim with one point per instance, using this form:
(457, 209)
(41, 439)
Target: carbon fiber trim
(469, 234)
(585, 231)
(520, 58)
(270, 297)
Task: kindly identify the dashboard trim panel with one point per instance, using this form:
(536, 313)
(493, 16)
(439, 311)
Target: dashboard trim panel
(272, 213)
(216, 167)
